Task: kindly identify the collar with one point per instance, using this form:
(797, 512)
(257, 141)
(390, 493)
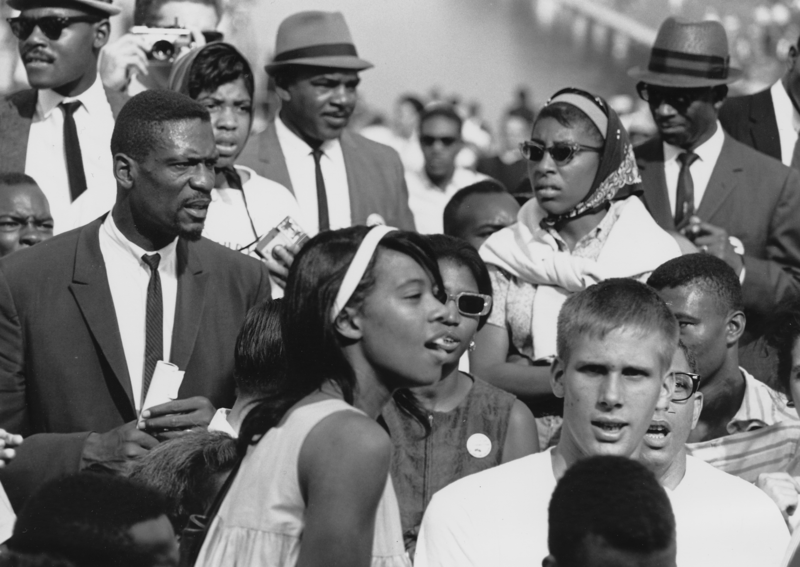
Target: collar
(761, 406)
(135, 251)
(220, 423)
(294, 144)
(708, 151)
(783, 106)
(92, 99)
(600, 232)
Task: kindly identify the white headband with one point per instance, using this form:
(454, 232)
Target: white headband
(356, 269)
(591, 110)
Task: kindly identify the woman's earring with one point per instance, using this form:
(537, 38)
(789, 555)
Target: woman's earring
(472, 346)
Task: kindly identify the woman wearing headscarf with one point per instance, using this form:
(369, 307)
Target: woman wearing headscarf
(585, 225)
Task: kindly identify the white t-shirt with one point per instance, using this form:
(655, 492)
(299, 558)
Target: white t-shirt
(491, 518)
(726, 521)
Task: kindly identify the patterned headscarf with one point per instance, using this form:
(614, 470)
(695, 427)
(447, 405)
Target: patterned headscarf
(617, 167)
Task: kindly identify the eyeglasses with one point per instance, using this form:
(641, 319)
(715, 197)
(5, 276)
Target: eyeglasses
(470, 304)
(561, 152)
(686, 384)
(678, 98)
(446, 141)
(51, 26)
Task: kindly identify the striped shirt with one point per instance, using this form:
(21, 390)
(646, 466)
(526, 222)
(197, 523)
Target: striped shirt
(764, 436)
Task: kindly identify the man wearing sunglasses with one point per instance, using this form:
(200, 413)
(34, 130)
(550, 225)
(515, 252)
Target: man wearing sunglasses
(59, 131)
(430, 189)
(722, 520)
(731, 201)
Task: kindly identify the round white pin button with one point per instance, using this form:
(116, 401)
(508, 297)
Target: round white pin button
(479, 445)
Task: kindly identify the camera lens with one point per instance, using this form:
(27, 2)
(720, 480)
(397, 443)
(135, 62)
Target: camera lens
(163, 50)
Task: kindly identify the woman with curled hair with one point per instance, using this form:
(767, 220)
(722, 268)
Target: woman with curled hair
(363, 316)
(584, 225)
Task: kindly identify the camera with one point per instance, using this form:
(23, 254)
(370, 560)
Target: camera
(164, 44)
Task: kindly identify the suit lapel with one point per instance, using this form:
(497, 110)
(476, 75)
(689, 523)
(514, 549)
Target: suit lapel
(763, 126)
(358, 199)
(90, 288)
(192, 283)
(723, 180)
(16, 115)
(271, 154)
(651, 166)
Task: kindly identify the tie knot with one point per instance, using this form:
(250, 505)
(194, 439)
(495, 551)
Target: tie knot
(687, 158)
(70, 107)
(152, 260)
(317, 153)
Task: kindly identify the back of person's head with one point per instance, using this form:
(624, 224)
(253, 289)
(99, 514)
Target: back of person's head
(12, 178)
(609, 503)
(442, 110)
(704, 272)
(188, 470)
(87, 518)
(139, 127)
(613, 305)
(215, 65)
(461, 253)
(452, 223)
(783, 335)
(259, 359)
(147, 12)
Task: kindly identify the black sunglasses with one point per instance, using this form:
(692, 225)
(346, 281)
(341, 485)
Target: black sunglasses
(470, 304)
(679, 98)
(561, 152)
(446, 141)
(51, 26)
(686, 384)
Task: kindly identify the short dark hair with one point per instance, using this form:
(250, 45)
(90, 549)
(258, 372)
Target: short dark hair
(259, 359)
(443, 110)
(86, 518)
(571, 116)
(145, 11)
(485, 187)
(15, 559)
(16, 178)
(139, 127)
(783, 334)
(218, 64)
(184, 470)
(705, 271)
(612, 305)
(463, 254)
(611, 497)
(413, 100)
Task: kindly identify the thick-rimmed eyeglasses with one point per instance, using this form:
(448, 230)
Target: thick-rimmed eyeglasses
(51, 26)
(561, 152)
(470, 304)
(686, 384)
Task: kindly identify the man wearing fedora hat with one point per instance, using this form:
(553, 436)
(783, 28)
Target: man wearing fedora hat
(59, 131)
(730, 200)
(338, 177)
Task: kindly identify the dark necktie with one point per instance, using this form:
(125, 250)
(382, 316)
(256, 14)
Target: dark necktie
(322, 198)
(154, 323)
(684, 196)
(229, 175)
(72, 151)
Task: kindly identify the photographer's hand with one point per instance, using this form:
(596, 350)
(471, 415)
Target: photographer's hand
(121, 60)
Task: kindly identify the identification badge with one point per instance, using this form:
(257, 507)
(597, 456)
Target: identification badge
(478, 445)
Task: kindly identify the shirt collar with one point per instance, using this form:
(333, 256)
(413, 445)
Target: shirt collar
(761, 406)
(783, 106)
(92, 99)
(294, 144)
(167, 253)
(708, 151)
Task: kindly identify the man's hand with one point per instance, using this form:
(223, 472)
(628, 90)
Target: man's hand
(783, 489)
(114, 449)
(282, 259)
(169, 420)
(7, 443)
(120, 60)
(713, 240)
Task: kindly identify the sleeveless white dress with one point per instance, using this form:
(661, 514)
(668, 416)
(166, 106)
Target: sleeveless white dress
(261, 521)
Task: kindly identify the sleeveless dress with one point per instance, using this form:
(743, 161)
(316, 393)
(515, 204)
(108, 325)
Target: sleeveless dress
(261, 521)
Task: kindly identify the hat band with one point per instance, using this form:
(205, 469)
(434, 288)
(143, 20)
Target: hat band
(693, 65)
(321, 50)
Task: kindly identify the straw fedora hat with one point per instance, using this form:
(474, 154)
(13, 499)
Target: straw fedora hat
(103, 6)
(688, 54)
(320, 39)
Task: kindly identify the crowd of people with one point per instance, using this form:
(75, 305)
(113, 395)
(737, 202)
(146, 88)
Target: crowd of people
(315, 348)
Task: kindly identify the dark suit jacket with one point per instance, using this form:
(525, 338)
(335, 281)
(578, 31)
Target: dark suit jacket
(62, 366)
(16, 114)
(751, 120)
(375, 175)
(753, 197)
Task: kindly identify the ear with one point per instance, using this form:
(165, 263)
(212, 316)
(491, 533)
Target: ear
(793, 52)
(125, 170)
(102, 31)
(735, 327)
(557, 371)
(283, 94)
(348, 324)
(549, 561)
(698, 408)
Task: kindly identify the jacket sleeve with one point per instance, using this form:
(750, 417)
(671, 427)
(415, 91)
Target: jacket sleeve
(13, 406)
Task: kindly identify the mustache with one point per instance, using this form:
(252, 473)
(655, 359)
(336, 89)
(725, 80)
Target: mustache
(36, 52)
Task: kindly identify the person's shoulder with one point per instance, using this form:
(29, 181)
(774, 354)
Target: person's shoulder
(744, 157)
(224, 261)
(734, 107)
(719, 484)
(379, 151)
(49, 256)
(648, 149)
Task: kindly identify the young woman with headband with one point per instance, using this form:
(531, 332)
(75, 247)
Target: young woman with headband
(363, 315)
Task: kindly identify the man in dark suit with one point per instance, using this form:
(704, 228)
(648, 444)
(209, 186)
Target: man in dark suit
(58, 131)
(89, 317)
(730, 200)
(769, 120)
(339, 178)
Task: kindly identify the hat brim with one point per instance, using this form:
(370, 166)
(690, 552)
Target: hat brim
(333, 62)
(685, 81)
(96, 5)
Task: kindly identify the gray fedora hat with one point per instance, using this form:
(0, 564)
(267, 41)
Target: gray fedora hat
(320, 39)
(688, 54)
(103, 6)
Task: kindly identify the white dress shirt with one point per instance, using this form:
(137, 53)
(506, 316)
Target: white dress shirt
(787, 129)
(128, 277)
(702, 168)
(45, 160)
(302, 172)
(427, 201)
